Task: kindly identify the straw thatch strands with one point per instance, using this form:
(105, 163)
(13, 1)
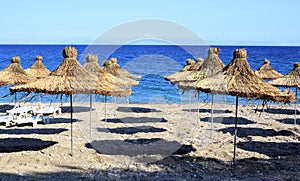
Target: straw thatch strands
(14, 73)
(71, 78)
(292, 79)
(38, 69)
(189, 64)
(238, 79)
(267, 72)
(212, 65)
(93, 67)
(184, 72)
(199, 62)
(112, 66)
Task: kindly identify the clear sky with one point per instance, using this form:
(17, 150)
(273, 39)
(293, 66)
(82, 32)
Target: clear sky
(218, 22)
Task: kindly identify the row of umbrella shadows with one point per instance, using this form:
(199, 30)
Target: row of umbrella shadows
(236, 79)
(69, 78)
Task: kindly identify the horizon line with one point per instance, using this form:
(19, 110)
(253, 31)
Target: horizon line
(270, 45)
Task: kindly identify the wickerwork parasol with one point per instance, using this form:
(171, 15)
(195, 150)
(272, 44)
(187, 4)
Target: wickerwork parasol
(212, 65)
(292, 79)
(14, 73)
(112, 66)
(185, 71)
(197, 65)
(71, 78)
(93, 67)
(267, 72)
(38, 69)
(238, 79)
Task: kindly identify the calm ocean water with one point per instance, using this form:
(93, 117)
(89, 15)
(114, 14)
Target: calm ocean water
(151, 61)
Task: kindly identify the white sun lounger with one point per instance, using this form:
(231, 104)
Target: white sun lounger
(19, 110)
(24, 119)
(6, 119)
(50, 110)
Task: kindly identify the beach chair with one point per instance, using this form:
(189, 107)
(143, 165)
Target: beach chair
(23, 118)
(17, 110)
(6, 119)
(49, 110)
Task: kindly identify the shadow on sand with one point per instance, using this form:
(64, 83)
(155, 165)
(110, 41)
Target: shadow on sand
(279, 111)
(228, 120)
(45, 131)
(207, 110)
(244, 132)
(136, 120)
(132, 130)
(8, 145)
(288, 121)
(272, 149)
(137, 110)
(76, 109)
(5, 107)
(136, 147)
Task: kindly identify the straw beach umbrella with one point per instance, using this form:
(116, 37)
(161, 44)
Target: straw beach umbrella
(114, 68)
(292, 79)
(38, 69)
(71, 78)
(93, 67)
(14, 74)
(212, 65)
(199, 62)
(239, 80)
(267, 72)
(184, 72)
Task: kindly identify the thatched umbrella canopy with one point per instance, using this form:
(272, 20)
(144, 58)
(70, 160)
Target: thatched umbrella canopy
(212, 65)
(190, 64)
(112, 66)
(267, 72)
(93, 67)
(14, 73)
(71, 78)
(38, 69)
(197, 65)
(238, 79)
(292, 79)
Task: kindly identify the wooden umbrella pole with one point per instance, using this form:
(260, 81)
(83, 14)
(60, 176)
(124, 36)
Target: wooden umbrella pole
(212, 117)
(198, 110)
(15, 98)
(91, 109)
(235, 127)
(105, 97)
(71, 104)
(295, 119)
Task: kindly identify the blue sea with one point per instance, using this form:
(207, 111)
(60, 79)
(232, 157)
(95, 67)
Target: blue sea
(153, 62)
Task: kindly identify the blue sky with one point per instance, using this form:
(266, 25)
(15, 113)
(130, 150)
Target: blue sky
(218, 22)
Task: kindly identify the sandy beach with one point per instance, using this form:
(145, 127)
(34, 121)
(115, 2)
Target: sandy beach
(155, 141)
